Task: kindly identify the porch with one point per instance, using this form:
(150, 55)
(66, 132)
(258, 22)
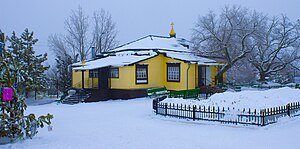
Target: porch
(92, 79)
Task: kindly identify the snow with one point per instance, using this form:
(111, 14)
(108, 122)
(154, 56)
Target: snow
(152, 42)
(143, 49)
(272, 84)
(172, 47)
(123, 58)
(291, 84)
(189, 57)
(258, 99)
(131, 124)
(116, 61)
(35, 102)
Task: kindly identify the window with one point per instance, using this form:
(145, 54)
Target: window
(173, 72)
(93, 74)
(114, 73)
(141, 74)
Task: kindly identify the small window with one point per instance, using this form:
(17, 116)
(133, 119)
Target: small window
(141, 74)
(93, 74)
(173, 72)
(114, 73)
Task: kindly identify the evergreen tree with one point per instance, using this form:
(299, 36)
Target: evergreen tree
(64, 73)
(14, 124)
(33, 68)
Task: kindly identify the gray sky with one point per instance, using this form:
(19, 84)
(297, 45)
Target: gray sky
(134, 18)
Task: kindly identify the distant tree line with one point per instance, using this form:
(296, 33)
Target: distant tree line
(250, 43)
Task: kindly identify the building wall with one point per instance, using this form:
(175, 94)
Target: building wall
(214, 71)
(192, 77)
(75, 78)
(157, 76)
(196, 76)
(127, 78)
(155, 73)
(174, 85)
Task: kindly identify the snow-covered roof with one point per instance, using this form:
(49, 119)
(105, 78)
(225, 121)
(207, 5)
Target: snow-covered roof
(115, 61)
(152, 42)
(188, 57)
(145, 48)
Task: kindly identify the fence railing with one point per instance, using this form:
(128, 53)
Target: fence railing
(225, 115)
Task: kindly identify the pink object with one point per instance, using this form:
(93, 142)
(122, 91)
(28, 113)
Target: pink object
(7, 94)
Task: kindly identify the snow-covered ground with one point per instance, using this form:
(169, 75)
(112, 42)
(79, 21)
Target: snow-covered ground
(131, 124)
(35, 102)
(254, 99)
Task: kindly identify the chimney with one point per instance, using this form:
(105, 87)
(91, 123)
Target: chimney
(93, 52)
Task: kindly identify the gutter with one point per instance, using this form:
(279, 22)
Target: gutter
(187, 76)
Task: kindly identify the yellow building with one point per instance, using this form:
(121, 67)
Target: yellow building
(149, 62)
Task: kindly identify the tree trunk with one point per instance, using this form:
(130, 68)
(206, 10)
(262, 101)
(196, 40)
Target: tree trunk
(221, 72)
(217, 78)
(262, 77)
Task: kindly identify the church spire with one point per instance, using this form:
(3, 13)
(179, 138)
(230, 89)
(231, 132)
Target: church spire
(172, 32)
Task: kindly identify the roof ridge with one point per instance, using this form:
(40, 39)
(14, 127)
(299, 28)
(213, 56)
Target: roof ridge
(158, 36)
(131, 42)
(180, 41)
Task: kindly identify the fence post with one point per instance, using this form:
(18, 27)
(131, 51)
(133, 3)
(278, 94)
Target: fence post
(218, 114)
(194, 112)
(153, 104)
(156, 106)
(166, 109)
(288, 109)
(262, 114)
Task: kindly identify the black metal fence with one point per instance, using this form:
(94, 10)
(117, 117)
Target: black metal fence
(226, 115)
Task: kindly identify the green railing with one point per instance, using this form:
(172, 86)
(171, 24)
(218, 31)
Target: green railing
(157, 91)
(192, 93)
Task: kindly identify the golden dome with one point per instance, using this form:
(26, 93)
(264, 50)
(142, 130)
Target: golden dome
(172, 32)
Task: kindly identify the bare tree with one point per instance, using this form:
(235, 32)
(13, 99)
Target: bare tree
(78, 40)
(56, 43)
(105, 32)
(227, 35)
(77, 33)
(61, 73)
(242, 72)
(76, 44)
(277, 46)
